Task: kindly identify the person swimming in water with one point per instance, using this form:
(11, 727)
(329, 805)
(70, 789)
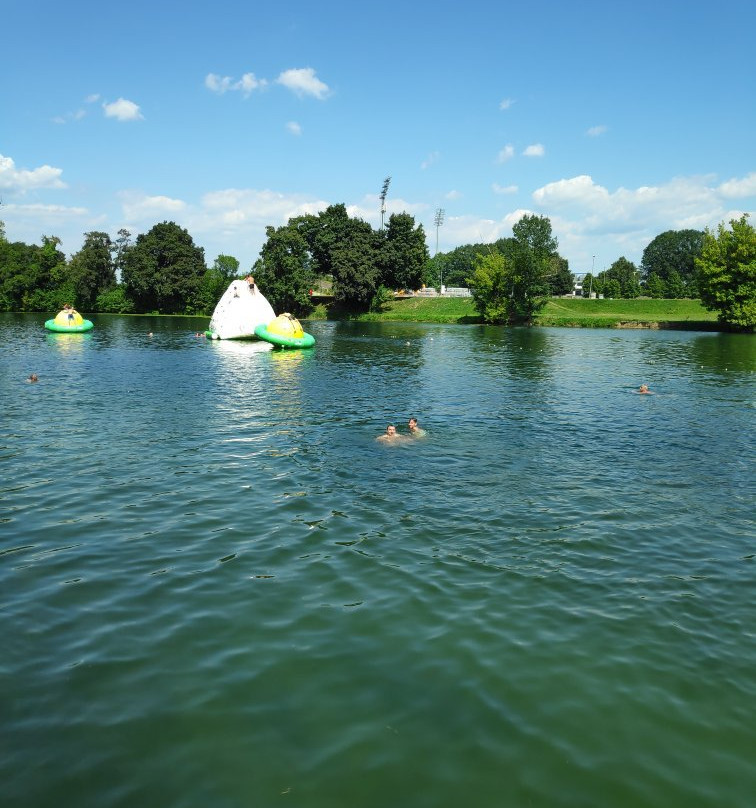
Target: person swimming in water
(644, 391)
(390, 435)
(414, 430)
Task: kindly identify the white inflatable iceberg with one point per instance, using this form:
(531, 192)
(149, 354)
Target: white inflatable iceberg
(241, 309)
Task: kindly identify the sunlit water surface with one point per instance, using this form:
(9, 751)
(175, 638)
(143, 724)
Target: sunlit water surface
(217, 589)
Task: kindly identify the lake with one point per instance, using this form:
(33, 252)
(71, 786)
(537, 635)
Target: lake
(218, 589)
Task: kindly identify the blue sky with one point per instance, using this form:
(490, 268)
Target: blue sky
(618, 121)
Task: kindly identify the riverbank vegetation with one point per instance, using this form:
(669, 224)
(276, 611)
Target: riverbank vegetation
(566, 312)
(356, 268)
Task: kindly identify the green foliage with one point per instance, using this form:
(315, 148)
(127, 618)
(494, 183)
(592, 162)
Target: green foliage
(114, 301)
(532, 249)
(91, 270)
(655, 286)
(213, 284)
(491, 287)
(283, 270)
(354, 267)
(163, 270)
(727, 274)
(625, 274)
(28, 274)
(559, 279)
(227, 267)
(674, 251)
(512, 285)
(381, 299)
(403, 253)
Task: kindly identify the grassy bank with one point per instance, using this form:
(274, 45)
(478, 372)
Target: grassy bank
(577, 312)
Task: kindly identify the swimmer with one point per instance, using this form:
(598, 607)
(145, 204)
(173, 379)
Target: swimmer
(414, 429)
(33, 378)
(644, 391)
(390, 435)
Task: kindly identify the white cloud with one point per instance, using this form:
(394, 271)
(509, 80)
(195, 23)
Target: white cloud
(432, 158)
(122, 110)
(584, 213)
(245, 85)
(507, 153)
(595, 131)
(26, 223)
(294, 128)
(138, 208)
(504, 189)
(22, 180)
(458, 230)
(739, 188)
(303, 81)
(506, 103)
(92, 99)
(536, 150)
(453, 195)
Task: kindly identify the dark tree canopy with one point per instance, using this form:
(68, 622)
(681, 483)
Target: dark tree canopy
(559, 278)
(403, 253)
(674, 251)
(164, 269)
(91, 271)
(284, 269)
(625, 277)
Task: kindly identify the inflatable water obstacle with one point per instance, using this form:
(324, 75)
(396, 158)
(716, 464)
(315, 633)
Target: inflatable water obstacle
(69, 321)
(240, 310)
(285, 331)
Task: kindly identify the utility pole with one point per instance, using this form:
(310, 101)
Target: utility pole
(384, 191)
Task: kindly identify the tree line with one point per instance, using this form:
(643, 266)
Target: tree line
(164, 271)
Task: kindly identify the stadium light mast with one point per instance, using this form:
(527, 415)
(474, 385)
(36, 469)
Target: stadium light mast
(438, 221)
(384, 191)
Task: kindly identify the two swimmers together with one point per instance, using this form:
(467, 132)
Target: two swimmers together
(392, 436)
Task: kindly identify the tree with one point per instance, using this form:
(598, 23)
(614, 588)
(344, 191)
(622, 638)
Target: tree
(403, 253)
(347, 250)
(45, 277)
(655, 287)
(491, 287)
(214, 282)
(91, 270)
(122, 246)
(354, 267)
(533, 247)
(727, 274)
(560, 280)
(625, 273)
(163, 270)
(284, 269)
(673, 250)
(459, 264)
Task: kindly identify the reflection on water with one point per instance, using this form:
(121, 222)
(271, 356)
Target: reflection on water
(68, 343)
(208, 565)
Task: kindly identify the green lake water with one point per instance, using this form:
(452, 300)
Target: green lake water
(218, 590)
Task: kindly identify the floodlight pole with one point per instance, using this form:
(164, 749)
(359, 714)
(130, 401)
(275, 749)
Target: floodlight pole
(438, 221)
(384, 191)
